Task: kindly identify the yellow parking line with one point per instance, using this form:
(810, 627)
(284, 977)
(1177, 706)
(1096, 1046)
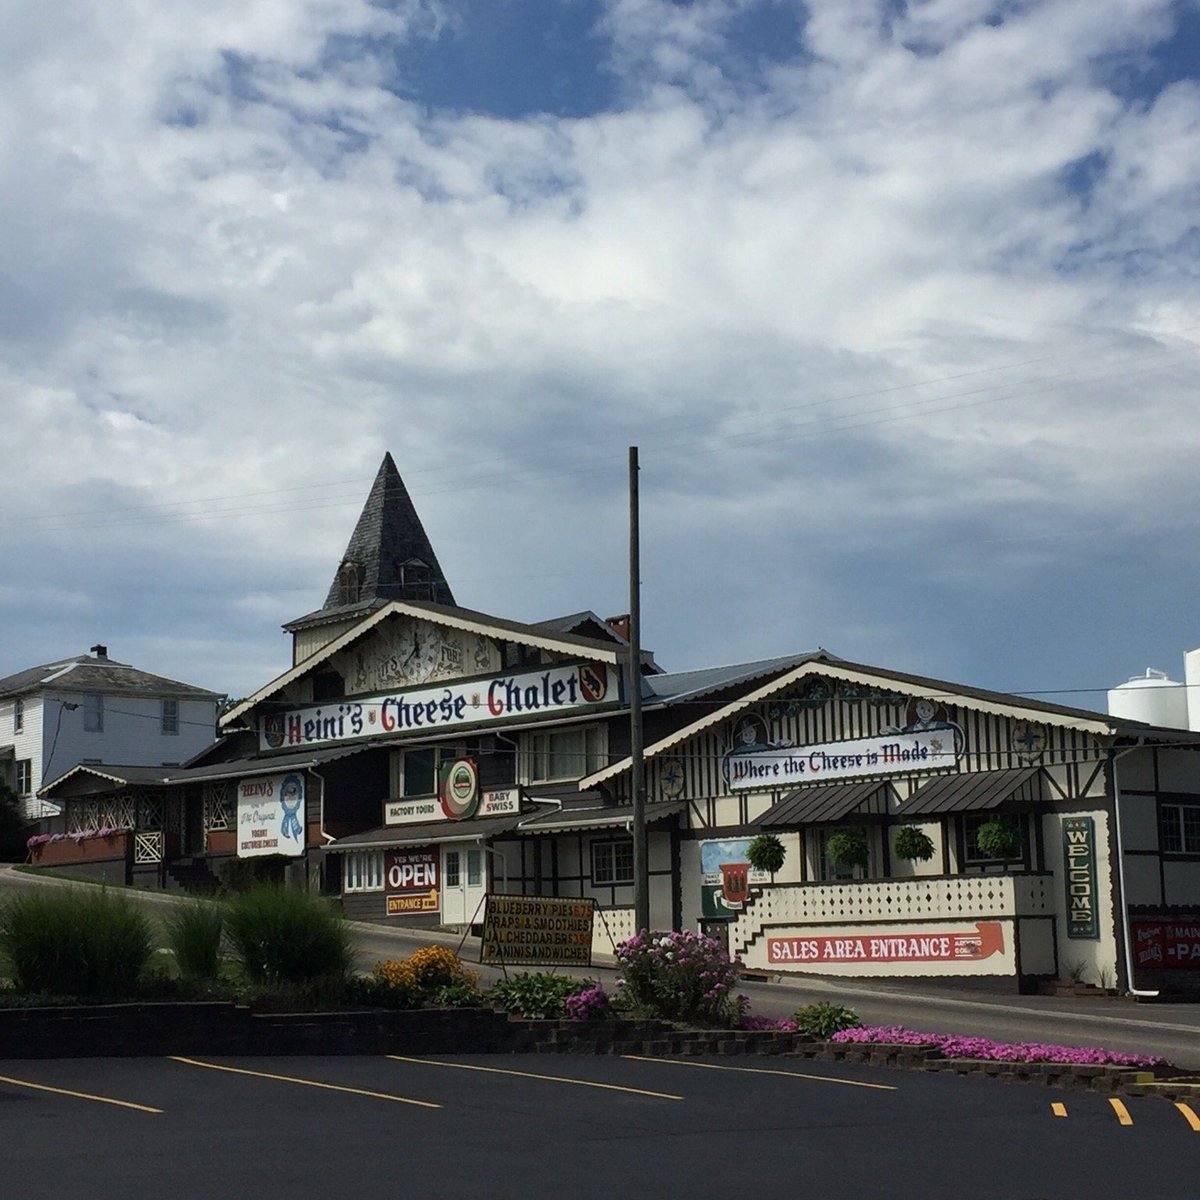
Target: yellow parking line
(1121, 1111)
(42, 1087)
(1058, 1108)
(684, 1062)
(608, 1087)
(330, 1087)
(1189, 1115)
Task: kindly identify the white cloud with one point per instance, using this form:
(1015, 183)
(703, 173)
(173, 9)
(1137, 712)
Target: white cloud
(858, 308)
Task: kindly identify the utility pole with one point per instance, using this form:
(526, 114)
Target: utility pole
(637, 777)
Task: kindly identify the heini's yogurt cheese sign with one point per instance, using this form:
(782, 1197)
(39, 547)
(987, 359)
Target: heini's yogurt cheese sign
(889, 754)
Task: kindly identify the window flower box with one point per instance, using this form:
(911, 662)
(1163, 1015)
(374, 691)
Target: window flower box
(70, 848)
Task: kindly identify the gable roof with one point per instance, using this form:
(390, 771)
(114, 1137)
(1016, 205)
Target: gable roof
(1000, 703)
(451, 616)
(94, 673)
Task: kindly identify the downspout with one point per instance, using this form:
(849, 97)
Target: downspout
(1113, 757)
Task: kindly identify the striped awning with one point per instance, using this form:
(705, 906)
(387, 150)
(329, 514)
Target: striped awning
(975, 791)
(828, 803)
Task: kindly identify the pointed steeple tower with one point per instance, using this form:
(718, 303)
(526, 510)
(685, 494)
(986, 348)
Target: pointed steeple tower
(389, 556)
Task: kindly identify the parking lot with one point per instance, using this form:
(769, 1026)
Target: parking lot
(557, 1125)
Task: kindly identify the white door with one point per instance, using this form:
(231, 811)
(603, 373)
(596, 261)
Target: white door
(464, 884)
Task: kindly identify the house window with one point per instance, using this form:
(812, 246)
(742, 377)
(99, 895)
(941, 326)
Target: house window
(24, 776)
(565, 753)
(363, 872)
(18, 715)
(830, 869)
(93, 714)
(453, 869)
(170, 716)
(612, 862)
(972, 823)
(1180, 827)
(416, 772)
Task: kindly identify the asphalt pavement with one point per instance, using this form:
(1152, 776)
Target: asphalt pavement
(1171, 1030)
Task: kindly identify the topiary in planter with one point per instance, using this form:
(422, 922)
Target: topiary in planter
(849, 847)
(766, 853)
(998, 838)
(912, 843)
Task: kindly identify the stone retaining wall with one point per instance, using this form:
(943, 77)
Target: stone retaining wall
(219, 1028)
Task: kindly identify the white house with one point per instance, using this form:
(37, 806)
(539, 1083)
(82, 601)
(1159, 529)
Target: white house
(90, 709)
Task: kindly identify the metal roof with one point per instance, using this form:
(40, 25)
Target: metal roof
(974, 791)
(600, 817)
(675, 686)
(431, 833)
(828, 803)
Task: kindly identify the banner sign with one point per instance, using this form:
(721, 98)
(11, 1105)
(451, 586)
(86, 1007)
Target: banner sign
(891, 754)
(1079, 855)
(726, 877)
(986, 939)
(537, 931)
(270, 815)
(411, 881)
(420, 810)
(443, 706)
(1166, 944)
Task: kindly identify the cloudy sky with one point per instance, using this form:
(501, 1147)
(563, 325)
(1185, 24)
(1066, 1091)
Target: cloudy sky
(899, 301)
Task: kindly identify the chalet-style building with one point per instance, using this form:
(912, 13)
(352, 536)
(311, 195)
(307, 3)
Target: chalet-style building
(417, 755)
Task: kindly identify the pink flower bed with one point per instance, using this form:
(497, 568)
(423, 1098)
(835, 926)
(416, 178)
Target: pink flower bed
(953, 1046)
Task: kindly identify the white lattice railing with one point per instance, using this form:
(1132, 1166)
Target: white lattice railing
(148, 847)
(939, 898)
(611, 926)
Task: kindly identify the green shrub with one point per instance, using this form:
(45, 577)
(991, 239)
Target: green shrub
(538, 995)
(766, 853)
(72, 942)
(244, 874)
(849, 847)
(821, 1020)
(194, 936)
(998, 838)
(284, 935)
(913, 843)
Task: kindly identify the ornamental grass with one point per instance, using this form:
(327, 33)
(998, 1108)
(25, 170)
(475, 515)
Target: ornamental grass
(284, 935)
(75, 942)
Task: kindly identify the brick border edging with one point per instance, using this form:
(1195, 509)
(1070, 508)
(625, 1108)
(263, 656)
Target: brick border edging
(155, 1030)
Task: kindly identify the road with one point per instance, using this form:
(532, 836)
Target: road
(1169, 1030)
(586, 1127)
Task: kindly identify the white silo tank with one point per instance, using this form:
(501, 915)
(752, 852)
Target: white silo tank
(1191, 676)
(1153, 698)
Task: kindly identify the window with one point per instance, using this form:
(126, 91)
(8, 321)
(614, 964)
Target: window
(831, 869)
(18, 715)
(93, 714)
(565, 753)
(474, 868)
(1180, 827)
(170, 716)
(453, 878)
(417, 772)
(612, 862)
(973, 822)
(363, 872)
(24, 776)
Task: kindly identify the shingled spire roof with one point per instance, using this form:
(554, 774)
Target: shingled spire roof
(388, 556)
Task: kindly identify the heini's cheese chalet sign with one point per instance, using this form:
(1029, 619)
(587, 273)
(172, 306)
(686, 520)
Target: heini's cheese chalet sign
(439, 706)
(890, 754)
